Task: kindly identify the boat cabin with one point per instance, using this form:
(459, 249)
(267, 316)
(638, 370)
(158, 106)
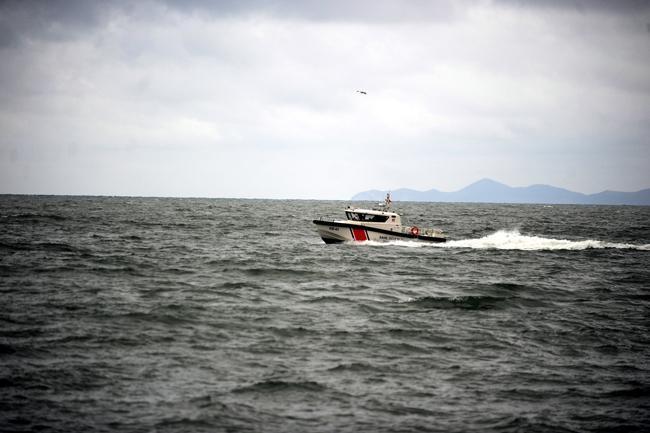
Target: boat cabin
(372, 216)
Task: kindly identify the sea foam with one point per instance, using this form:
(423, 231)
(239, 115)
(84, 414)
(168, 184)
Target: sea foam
(514, 240)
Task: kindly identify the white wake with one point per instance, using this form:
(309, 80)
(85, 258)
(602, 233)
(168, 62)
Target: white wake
(513, 240)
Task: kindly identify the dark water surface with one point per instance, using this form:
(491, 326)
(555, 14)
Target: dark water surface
(132, 314)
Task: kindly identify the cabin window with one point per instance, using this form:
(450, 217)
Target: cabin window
(367, 217)
(380, 218)
(373, 218)
(352, 216)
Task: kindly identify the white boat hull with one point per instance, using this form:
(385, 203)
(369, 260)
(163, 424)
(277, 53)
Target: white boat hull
(339, 231)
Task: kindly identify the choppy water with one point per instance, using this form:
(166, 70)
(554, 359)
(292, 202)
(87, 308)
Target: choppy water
(130, 314)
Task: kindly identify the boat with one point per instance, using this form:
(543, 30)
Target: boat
(379, 224)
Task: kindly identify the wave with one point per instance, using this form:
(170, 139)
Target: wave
(42, 246)
(272, 386)
(474, 302)
(329, 299)
(352, 367)
(34, 217)
(460, 302)
(514, 240)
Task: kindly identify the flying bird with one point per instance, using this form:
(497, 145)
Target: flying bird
(362, 92)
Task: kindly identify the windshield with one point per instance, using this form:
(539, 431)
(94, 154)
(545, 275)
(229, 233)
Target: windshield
(355, 216)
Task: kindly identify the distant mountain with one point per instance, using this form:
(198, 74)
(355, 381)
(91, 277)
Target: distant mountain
(490, 191)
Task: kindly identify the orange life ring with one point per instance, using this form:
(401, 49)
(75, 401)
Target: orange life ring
(415, 231)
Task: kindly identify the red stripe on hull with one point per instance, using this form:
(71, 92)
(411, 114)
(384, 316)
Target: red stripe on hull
(359, 235)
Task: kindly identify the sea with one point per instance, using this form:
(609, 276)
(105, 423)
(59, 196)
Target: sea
(122, 314)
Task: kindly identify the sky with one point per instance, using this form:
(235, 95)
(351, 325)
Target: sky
(259, 98)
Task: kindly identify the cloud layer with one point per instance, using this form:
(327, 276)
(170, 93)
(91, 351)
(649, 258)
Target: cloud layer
(258, 99)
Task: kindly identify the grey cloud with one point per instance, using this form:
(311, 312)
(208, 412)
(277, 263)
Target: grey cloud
(334, 10)
(54, 20)
(607, 6)
(390, 10)
(63, 19)
(59, 19)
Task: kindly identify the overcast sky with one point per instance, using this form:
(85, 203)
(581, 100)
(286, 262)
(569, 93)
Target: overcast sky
(259, 98)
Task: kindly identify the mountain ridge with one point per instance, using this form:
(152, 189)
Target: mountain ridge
(490, 191)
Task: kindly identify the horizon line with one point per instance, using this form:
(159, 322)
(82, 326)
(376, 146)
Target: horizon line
(312, 199)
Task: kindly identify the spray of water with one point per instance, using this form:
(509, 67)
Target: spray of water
(513, 240)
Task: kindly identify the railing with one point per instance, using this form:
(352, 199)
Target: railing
(422, 231)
